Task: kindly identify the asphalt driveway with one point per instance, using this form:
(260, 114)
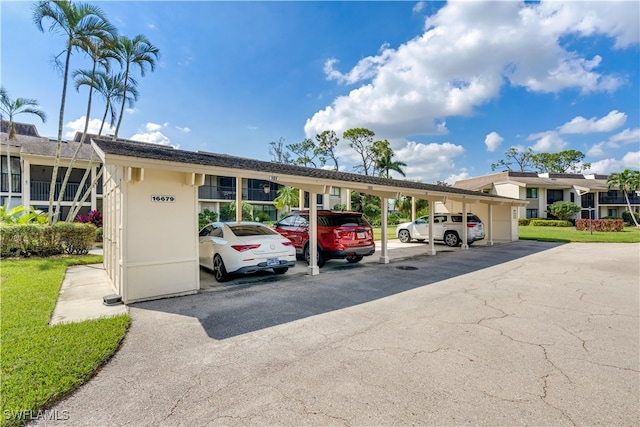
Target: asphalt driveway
(525, 333)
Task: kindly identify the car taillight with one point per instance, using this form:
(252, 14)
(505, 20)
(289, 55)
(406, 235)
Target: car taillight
(340, 234)
(242, 248)
(471, 225)
(288, 243)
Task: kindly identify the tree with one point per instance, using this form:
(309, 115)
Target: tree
(279, 152)
(361, 139)
(12, 108)
(515, 160)
(403, 204)
(77, 22)
(561, 162)
(327, 144)
(383, 159)
(111, 87)
(625, 181)
(287, 197)
(138, 52)
(564, 210)
(306, 152)
(100, 51)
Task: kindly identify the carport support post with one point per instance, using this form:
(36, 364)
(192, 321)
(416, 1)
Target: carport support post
(413, 209)
(432, 246)
(384, 257)
(238, 198)
(465, 230)
(490, 226)
(313, 269)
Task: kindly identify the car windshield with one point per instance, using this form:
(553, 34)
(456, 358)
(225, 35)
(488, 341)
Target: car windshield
(241, 230)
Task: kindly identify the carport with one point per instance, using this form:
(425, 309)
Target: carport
(151, 204)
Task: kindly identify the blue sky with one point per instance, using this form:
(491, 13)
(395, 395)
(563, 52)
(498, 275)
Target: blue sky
(451, 85)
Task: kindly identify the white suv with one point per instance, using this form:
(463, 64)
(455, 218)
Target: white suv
(447, 227)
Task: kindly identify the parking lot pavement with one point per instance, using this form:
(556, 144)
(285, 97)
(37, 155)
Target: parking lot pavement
(526, 333)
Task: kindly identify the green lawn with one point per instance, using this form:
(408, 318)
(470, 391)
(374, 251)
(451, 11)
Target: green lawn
(42, 363)
(570, 234)
(391, 232)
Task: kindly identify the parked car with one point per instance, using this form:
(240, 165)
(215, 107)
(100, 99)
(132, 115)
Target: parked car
(342, 235)
(447, 227)
(243, 247)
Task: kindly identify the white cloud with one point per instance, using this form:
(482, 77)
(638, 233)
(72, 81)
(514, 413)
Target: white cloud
(631, 160)
(153, 138)
(468, 51)
(151, 127)
(428, 162)
(418, 7)
(579, 124)
(597, 150)
(549, 141)
(183, 129)
(452, 179)
(627, 136)
(94, 127)
(493, 141)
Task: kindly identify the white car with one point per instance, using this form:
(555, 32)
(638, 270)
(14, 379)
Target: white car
(244, 247)
(447, 227)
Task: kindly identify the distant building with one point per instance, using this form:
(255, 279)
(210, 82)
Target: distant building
(32, 158)
(543, 189)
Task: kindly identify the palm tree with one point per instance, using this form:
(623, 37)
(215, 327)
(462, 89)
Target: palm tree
(385, 164)
(287, 197)
(111, 87)
(77, 22)
(99, 51)
(136, 51)
(12, 108)
(625, 181)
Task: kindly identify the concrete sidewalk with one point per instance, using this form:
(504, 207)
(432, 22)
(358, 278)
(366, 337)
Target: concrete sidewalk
(527, 333)
(81, 295)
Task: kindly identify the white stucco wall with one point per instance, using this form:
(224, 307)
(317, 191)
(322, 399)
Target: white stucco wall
(156, 254)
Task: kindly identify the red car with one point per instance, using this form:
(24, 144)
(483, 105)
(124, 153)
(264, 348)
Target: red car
(343, 235)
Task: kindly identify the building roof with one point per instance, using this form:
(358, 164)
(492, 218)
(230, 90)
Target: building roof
(25, 129)
(140, 150)
(533, 179)
(31, 143)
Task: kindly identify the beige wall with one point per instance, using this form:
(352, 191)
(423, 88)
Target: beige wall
(157, 254)
(504, 219)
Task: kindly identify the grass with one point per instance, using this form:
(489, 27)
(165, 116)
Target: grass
(570, 234)
(391, 232)
(40, 363)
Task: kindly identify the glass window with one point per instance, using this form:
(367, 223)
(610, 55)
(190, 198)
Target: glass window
(532, 213)
(532, 193)
(242, 230)
(335, 191)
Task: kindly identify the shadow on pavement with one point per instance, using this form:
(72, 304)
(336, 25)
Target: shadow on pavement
(232, 311)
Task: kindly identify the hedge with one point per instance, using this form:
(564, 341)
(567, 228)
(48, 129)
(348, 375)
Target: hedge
(46, 240)
(550, 223)
(606, 225)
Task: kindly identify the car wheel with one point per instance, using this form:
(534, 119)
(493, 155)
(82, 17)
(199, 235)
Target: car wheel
(219, 270)
(354, 258)
(404, 236)
(319, 259)
(281, 270)
(451, 238)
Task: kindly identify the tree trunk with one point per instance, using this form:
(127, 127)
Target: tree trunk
(56, 161)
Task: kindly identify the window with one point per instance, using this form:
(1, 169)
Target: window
(16, 174)
(532, 213)
(532, 193)
(554, 196)
(572, 197)
(335, 191)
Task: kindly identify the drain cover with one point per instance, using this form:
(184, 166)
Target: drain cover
(406, 267)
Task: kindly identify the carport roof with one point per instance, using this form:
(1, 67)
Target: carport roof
(133, 149)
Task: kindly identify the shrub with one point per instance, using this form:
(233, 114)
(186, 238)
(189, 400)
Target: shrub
(422, 212)
(206, 217)
(550, 223)
(29, 240)
(523, 221)
(396, 218)
(605, 225)
(99, 234)
(76, 238)
(564, 210)
(626, 216)
(94, 217)
(262, 217)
